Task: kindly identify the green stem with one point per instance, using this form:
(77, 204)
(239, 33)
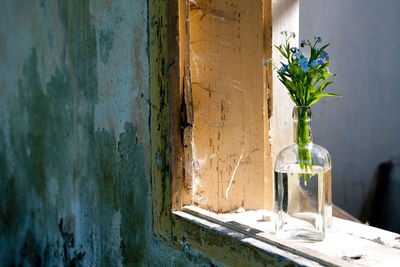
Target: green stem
(303, 141)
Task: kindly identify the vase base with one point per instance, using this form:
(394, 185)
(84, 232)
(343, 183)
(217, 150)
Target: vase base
(301, 235)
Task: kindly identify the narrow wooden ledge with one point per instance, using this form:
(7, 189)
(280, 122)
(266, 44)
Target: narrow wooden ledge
(346, 243)
(225, 246)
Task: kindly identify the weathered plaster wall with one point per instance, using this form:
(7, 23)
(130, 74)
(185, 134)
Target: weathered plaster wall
(75, 136)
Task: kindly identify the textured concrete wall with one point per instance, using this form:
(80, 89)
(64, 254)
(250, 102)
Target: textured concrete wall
(74, 135)
(361, 129)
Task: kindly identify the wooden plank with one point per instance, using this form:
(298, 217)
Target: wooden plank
(227, 247)
(175, 101)
(227, 50)
(346, 243)
(268, 92)
(160, 118)
(187, 110)
(363, 231)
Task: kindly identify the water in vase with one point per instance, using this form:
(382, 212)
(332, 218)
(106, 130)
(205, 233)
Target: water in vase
(303, 202)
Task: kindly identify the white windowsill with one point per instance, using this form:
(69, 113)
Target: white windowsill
(346, 243)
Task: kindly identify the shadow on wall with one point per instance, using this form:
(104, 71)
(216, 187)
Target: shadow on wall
(379, 208)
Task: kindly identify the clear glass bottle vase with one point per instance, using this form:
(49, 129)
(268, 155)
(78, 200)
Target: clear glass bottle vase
(303, 184)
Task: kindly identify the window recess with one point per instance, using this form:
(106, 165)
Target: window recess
(218, 118)
(227, 163)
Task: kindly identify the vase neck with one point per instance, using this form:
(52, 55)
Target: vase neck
(302, 125)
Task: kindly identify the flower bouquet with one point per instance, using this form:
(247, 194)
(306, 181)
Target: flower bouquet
(306, 79)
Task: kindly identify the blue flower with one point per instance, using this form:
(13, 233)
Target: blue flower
(324, 55)
(284, 68)
(314, 63)
(303, 62)
(318, 39)
(305, 68)
(320, 61)
(298, 54)
(293, 34)
(267, 61)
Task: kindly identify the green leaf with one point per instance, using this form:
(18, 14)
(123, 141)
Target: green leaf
(323, 86)
(282, 52)
(287, 49)
(325, 46)
(314, 101)
(318, 97)
(329, 94)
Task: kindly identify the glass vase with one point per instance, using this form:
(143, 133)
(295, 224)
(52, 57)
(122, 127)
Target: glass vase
(302, 184)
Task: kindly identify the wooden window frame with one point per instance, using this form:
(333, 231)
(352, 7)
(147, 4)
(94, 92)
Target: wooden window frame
(192, 233)
(168, 115)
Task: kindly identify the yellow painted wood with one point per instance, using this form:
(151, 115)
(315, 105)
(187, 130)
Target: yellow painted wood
(187, 98)
(175, 104)
(268, 92)
(160, 118)
(229, 140)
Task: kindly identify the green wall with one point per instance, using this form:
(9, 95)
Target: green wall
(75, 136)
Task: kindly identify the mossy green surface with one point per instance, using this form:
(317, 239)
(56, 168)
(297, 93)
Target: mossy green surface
(75, 136)
(71, 193)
